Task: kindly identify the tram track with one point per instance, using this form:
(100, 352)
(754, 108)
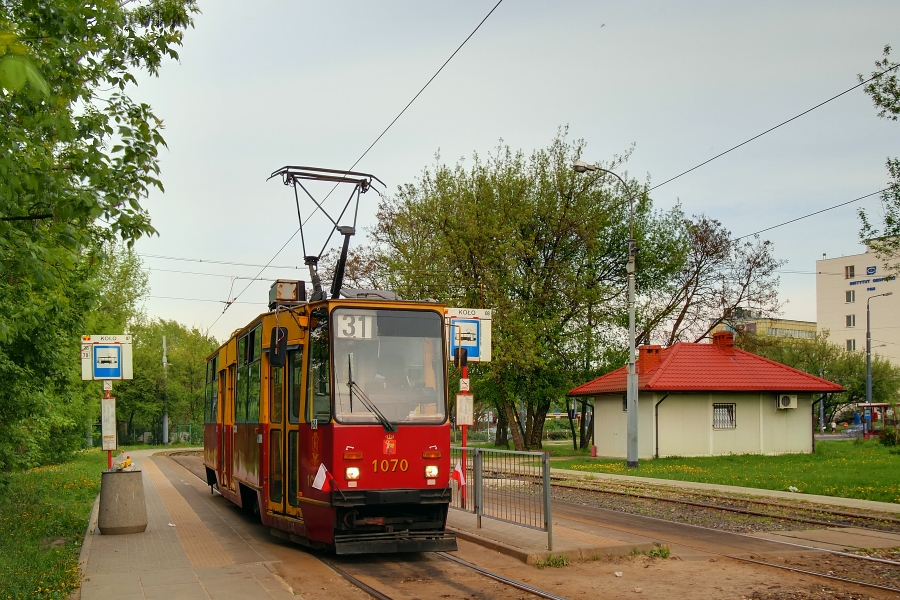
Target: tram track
(675, 540)
(850, 519)
(381, 595)
(750, 560)
(378, 594)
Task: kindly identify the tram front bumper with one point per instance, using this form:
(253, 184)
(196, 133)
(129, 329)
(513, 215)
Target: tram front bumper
(397, 541)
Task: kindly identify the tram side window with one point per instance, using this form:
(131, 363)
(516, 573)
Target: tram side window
(254, 372)
(319, 375)
(240, 392)
(276, 395)
(295, 382)
(212, 390)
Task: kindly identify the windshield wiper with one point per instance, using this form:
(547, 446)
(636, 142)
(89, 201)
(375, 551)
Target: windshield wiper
(365, 399)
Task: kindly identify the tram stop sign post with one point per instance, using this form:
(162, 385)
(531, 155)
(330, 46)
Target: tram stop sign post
(106, 357)
(469, 339)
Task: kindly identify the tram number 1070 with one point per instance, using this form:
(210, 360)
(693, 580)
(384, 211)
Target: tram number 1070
(385, 466)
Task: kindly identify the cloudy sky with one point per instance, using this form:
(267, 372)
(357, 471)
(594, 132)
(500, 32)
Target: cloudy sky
(271, 83)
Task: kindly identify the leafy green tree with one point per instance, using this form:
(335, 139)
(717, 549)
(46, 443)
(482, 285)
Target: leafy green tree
(885, 239)
(77, 158)
(820, 357)
(539, 244)
(141, 401)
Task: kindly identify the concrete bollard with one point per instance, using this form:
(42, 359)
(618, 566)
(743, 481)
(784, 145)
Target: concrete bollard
(122, 506)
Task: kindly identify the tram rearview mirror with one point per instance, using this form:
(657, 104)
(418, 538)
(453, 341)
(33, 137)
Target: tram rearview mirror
(278, 347)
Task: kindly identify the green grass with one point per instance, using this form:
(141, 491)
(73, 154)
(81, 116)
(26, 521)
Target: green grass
(557, 448)
(42, 523)
(867, 470)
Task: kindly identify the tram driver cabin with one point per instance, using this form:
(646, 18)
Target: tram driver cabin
(705, 399)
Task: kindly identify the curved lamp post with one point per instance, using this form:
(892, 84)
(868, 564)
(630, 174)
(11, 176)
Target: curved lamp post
(869, 346)
(631, 389)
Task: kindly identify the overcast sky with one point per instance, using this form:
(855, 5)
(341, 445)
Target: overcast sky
(265, 84)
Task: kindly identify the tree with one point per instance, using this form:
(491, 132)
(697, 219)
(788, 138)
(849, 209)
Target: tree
(884, 240)
(719, 275)
(820, 357)
(77, 158)
(141, 401)
(538, 243)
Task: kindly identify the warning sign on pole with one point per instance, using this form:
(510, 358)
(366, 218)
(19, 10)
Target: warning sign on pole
(108, 422)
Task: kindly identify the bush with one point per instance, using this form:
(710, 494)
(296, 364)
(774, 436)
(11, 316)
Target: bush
(890, 436)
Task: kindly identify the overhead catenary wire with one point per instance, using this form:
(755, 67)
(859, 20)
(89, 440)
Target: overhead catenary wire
(218, 262)
(196, 300)
(810, 214)
(372, 145)
(771, 129)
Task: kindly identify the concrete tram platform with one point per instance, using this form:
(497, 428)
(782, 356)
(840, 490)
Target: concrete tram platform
(571, 540)
(187, 551)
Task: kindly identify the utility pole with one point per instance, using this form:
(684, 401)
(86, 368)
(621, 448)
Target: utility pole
(869, 353)
(822, 405)
(165, 419)
(631, 381)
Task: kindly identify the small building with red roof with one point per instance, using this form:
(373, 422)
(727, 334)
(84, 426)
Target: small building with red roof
(704, 399)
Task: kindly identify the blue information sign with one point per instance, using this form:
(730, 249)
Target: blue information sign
(465, 333)
(108, 361)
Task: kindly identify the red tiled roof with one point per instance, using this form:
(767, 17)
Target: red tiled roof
(686, 367)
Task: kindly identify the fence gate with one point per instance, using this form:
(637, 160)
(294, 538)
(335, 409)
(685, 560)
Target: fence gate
(506, 485)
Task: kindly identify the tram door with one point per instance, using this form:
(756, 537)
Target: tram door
(275, 468)
(228, 429)
(285, 410)
(295, 382)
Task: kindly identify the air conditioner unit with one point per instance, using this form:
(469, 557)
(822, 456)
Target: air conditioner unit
(786, 401)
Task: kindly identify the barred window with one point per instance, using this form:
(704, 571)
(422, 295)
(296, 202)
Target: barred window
(723, 416)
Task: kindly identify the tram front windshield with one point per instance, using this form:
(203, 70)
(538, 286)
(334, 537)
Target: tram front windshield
(390, 362)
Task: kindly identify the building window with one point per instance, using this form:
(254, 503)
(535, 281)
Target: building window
(851, 345)
(723, 416)
(624, 403)
(851, 296)
(851, 320)
(849, 272)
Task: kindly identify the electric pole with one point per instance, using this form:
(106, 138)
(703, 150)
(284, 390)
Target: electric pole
(165, 419)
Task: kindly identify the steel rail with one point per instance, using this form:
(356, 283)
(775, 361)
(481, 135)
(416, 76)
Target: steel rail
(825, 509)
(742, 511)
(505, 580)
(353, 580)
(759, 562)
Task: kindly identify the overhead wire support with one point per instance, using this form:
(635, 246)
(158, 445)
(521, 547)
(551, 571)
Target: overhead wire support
(372, 145)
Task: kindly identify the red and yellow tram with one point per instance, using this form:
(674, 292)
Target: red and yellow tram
(354, 384)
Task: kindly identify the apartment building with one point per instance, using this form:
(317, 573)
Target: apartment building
(843, 285)
(745, 319)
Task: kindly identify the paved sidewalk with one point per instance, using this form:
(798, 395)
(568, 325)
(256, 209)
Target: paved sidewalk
(187, 552)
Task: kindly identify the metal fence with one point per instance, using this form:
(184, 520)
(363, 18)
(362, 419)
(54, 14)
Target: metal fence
(506, 485)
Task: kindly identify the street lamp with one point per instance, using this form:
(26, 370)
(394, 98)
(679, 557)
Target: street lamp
(631, 388)
(869, 347)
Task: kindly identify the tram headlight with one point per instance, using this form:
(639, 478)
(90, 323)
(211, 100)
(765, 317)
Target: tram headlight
(431, 471)
(351, 473)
